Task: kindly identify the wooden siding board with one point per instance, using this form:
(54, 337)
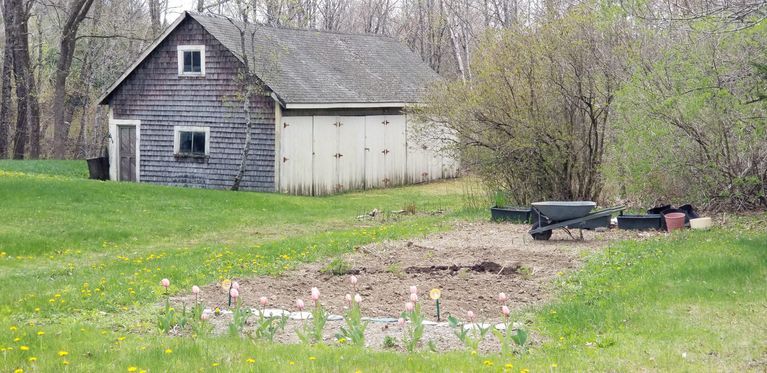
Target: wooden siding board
(160, 99)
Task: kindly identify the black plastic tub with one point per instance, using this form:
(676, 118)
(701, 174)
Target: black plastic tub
(640, 222)
(98, 168)
(511, 214)
(601, 222)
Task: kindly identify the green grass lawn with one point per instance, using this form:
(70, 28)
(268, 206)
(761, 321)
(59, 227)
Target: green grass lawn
(80, 263)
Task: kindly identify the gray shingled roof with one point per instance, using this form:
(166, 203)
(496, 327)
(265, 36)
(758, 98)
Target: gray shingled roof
(314, 67)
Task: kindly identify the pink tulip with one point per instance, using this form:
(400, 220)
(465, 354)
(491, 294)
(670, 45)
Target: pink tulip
(235, 285)
(470, 315)
(353, 280)
(409, 306)
(196, 289)
(357, 298)
(348, 298)
(263, 301)
(414, 297)
(502, 297)
(234, 293)
(300, 304)
(505, 311)
(315, 294)
(165, 283)
(413, 290)
(401, 321)
(204, 317)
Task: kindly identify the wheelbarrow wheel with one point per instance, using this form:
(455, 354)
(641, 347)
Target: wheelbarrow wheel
(542, 236)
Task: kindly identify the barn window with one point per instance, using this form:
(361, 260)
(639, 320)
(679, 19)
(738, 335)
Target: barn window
(191, 60)
(191, 141)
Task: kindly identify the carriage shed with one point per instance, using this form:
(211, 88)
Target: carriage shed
(331, 118)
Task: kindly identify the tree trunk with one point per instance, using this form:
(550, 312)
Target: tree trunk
(22, 75)
(77, 13)
(154, 16)
(5, 91)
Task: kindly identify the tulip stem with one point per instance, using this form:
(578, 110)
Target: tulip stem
(438, 319)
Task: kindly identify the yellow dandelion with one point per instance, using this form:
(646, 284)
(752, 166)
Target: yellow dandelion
(473, 353)
(65, 362)
(24, 348)
(19, 370)
(120, 338)
(251, 360)
(341, 340)
(488, 363)
(168, 351)
(32, 359)
(554, 365)
(524, 370)
(63, 353)
(41, 333)
(312, 358)
(37, 309)
(16, 339)
(358, 371)
(13, 328)
(132, 369)
(509, 366)
(291, 362)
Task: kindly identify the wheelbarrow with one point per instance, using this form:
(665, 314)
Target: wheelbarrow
(550, 215)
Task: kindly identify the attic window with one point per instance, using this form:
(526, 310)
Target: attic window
(191, 141)
(191, 60)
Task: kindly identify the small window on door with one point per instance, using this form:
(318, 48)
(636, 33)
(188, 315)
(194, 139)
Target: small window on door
(191, 60)
(192, 141)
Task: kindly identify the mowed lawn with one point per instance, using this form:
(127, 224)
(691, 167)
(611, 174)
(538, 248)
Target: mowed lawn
(80, 263)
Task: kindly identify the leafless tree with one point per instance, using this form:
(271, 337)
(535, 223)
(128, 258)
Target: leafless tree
(76, 13)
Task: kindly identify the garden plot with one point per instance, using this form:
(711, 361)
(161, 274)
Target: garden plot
(471, 265)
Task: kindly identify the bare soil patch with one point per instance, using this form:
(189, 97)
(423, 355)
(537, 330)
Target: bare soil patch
(470, 264)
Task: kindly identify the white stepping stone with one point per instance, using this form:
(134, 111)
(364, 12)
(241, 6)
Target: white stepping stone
(300, 316)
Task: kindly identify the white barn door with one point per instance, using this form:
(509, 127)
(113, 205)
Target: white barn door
(375, 151)
(296, 158)
(351, 153)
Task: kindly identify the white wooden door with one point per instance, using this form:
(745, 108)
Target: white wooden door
(325, 155)
(395, 140)
(375, 151)
(296, 158)
(351, 153)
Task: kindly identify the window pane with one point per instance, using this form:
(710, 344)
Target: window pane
(187, 62)
(196, 65)
(198, 145)
(185, 143)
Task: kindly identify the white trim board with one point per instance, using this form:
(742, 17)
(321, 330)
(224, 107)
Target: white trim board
(114, 149)
(346, 105)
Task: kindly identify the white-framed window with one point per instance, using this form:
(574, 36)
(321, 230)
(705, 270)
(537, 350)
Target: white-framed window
(191, 141)
(191, 60)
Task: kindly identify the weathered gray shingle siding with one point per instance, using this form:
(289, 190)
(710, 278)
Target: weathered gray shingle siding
(160, 99)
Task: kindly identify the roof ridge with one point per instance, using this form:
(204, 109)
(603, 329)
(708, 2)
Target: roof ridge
(283, 27)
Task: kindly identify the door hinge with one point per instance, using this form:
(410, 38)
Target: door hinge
(385, 122)
(338, 124)
(285, 125)
(284, 159)
(385, 151)
(338, 155)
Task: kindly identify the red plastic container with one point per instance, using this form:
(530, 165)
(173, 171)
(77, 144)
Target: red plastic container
(674, 221)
